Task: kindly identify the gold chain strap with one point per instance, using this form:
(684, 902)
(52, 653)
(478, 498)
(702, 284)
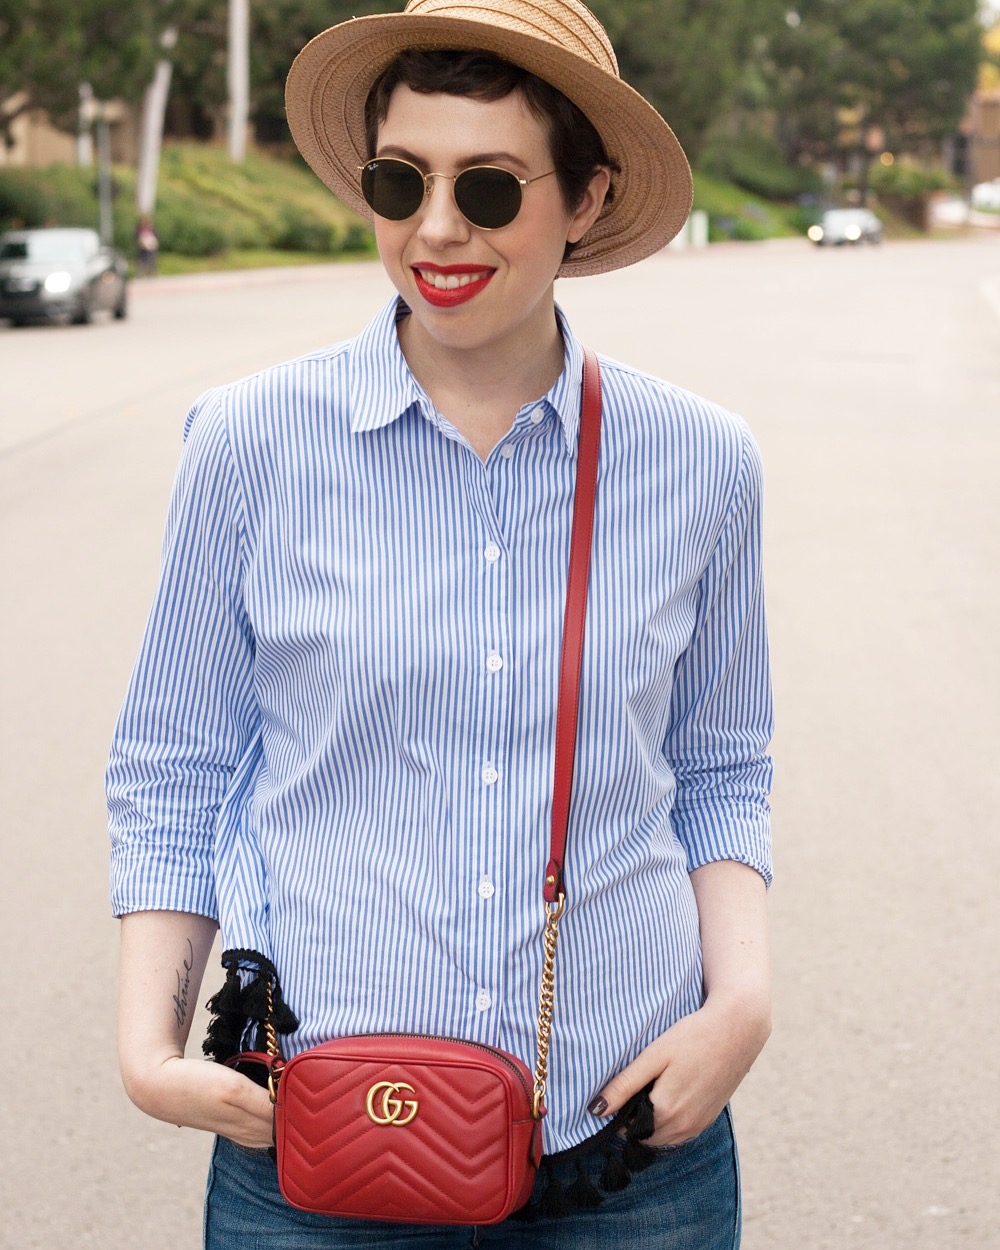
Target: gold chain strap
(271, 1035)
(553, 912)
(269, 1030)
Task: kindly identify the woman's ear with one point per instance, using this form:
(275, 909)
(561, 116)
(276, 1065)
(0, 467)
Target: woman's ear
(590, 206)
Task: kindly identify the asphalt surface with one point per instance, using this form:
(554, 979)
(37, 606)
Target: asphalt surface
(872, 381)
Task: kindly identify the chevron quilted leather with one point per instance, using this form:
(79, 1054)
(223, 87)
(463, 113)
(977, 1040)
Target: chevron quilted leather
(408, 1129)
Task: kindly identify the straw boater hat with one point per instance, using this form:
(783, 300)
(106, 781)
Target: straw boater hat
(561, 42)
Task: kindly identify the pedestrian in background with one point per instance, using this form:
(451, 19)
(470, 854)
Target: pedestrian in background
(337, 743)
(147, 247)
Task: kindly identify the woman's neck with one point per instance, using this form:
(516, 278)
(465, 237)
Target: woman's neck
(481, 390)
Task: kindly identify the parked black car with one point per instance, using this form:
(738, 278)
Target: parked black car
(60, 273)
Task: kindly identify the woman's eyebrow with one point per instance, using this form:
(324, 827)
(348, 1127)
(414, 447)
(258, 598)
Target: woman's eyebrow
(475, 158)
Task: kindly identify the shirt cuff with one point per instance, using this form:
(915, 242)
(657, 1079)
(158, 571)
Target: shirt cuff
(744, 838)
(151, 881)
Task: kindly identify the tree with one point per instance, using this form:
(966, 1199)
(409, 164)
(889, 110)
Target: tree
(278, 30)
(49, 47)
(686, 56)
(845, 69)
(689, 58)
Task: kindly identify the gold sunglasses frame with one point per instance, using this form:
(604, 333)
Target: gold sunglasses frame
(453, 178)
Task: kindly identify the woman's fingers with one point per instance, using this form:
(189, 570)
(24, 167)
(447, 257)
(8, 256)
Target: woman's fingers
(696, 1067)
(646, 1067)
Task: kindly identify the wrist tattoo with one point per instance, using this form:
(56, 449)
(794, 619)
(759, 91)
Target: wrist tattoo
(183, 986)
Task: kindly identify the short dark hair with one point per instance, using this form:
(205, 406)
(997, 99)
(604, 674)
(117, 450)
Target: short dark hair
(577, 149)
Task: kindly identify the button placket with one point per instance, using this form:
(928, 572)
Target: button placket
(493, 695)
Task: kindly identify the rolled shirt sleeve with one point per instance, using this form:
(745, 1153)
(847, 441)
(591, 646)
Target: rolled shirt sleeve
(721, 710)
(189, 716)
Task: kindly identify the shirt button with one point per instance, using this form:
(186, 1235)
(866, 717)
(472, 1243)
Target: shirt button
(537, 417)
(486, 888)
(507, 451)
(483, 1001)
(494, 662)
(492, 553)
(490, 774)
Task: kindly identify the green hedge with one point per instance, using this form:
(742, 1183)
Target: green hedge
(736, 214)
(905, 189)
(755, 163)
(206, 206)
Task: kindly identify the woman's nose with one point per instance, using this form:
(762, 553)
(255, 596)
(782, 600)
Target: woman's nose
(440, 221)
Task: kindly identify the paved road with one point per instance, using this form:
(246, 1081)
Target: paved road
(872, 380)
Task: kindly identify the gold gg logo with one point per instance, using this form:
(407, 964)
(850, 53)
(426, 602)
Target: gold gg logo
(391, 1108)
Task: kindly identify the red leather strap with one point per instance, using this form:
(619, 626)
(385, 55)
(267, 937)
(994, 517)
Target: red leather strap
(270, 1062)
(574, 621)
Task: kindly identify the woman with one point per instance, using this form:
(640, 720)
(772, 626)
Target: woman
(337, 742)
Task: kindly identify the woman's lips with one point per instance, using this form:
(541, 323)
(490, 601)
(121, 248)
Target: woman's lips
(445, 287)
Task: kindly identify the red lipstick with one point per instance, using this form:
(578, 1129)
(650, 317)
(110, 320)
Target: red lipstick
(455, 295)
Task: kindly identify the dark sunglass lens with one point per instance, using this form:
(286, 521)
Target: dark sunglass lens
(489, 198)
(392, 189)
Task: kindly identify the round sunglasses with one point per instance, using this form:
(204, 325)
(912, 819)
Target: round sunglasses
(487, 197)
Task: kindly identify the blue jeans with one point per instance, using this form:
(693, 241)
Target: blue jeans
(688, 1200)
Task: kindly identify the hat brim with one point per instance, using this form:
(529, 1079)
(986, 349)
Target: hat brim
(332, 76)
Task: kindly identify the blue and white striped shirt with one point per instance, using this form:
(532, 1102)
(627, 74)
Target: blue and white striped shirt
(338, 738)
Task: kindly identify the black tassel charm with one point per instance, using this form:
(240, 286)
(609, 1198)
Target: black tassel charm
(620, 1143)
(638, 1157)
(553, 1204)
(615, 1176)
(583, 1194)
(239, 1009)
(642, 1123)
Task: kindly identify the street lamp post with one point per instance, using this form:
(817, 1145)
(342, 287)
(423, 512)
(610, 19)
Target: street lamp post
(94, 115)
(104, 174)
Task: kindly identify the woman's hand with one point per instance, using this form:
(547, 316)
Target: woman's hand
(696, 1067)
(698, 1064)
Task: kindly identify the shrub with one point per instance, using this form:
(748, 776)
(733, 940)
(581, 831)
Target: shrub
(905, 188)
(908, 180)
(189, 229)
(358, 237)
(302, 231)
(755, 163)
(205, 205)
(67, 196)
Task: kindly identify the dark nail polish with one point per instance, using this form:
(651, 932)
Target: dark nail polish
(598, 1105)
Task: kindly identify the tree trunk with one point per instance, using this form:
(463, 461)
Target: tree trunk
(154, 107)
(238, 77)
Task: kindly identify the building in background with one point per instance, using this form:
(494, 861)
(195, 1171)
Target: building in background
(982, 137)
(36, 142)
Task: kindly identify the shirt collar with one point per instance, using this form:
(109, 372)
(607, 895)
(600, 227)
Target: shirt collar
(383, 388)
(567, 390)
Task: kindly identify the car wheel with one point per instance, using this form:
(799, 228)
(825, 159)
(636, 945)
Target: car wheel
(121, 308)
(84, 314)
